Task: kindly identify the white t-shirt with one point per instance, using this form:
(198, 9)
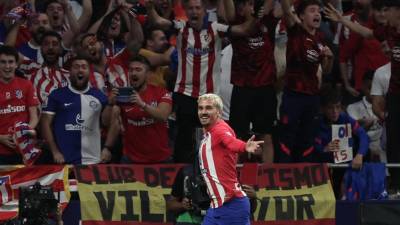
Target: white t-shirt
(380, 83)
(363, 110)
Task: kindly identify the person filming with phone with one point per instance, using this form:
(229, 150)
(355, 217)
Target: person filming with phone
(140, 114)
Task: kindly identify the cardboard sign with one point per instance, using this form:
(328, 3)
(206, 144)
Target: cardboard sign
(343, 133)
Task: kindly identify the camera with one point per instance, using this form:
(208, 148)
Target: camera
(195, 189)
(124, 94)
(36, 204)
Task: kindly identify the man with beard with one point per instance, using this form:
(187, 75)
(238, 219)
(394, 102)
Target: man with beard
(50, 75)
(143, 118)
(156, 42)
(362, 54)
(217, 158)
(71, 119)
(199, 53)
(38, 24)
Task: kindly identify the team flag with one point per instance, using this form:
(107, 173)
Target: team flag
(11, 179)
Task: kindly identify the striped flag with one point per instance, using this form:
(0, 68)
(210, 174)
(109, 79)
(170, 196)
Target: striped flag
(55, 176)
(24, 138)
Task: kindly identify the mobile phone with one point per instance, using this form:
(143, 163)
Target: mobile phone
(124, 94)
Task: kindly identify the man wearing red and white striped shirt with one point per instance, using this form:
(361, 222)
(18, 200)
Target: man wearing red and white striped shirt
(199, 53)
(217, 156)
(50, 75)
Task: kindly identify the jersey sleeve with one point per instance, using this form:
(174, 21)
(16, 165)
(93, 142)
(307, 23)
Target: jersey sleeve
(229, 141)
(165, 96)
(51, 106)
(380, 84)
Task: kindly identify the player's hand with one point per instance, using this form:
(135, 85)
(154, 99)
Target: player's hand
(357, 162)
(105, 155)
(58, 157)
(332, 13)
(332, 146)
(253, 146)
(8, 141)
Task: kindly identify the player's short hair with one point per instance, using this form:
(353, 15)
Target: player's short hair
(215, 99)
(303, 4)
(9, 51)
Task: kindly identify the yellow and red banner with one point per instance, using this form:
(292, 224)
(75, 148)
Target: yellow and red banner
(137, 194)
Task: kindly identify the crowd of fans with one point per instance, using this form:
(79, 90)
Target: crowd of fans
(118, 80)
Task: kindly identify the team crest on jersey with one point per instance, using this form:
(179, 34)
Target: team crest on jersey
(206, 38)
(18, 94)
(8, 95)
(94, 105)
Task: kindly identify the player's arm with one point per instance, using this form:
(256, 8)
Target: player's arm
(47, 132)
(378, 106)
(336, 16)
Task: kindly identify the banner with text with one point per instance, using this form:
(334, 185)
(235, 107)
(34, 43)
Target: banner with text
(137, 194)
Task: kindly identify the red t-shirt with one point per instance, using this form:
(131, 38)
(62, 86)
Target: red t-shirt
(15, 99)
(253, 63)
(303, 57)
(366, 54)
(392, 37)
(146, 139)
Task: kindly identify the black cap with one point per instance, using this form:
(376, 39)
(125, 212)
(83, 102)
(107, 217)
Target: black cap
(392, 3)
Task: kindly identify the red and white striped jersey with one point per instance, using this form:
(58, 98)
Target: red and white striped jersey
(117, 70)
(199, 58)
(218, 156)
(46, 79)
(28, 67)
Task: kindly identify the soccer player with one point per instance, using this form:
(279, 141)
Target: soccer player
(71, 119)
(217, 157)
(18, 103)
(306, 53)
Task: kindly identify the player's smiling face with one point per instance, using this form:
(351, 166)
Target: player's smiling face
(8, 64)
(208, 113)
(195, 12)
